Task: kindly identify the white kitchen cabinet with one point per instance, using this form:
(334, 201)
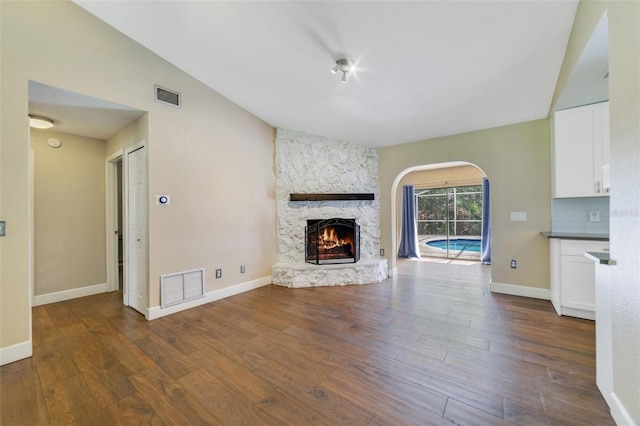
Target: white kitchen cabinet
(572, 284)
(580, 150)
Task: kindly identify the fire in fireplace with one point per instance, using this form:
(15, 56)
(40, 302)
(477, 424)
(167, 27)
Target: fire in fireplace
(332, 241)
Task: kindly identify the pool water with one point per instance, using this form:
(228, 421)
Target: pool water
(458, 244)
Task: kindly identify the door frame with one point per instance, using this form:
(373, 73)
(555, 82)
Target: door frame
(32, 234)
(111, 216)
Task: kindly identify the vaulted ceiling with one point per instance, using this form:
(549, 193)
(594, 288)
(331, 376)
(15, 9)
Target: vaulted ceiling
(423, 68)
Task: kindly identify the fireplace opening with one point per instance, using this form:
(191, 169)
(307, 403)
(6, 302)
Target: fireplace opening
(332, 241)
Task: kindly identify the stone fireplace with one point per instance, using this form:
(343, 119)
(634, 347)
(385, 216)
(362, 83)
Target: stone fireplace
(307, 164)
(330, 241)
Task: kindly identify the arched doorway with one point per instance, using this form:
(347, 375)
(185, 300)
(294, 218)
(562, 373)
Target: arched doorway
(449, 210)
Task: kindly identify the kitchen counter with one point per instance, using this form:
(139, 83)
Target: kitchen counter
(576, 236)
(600, 258)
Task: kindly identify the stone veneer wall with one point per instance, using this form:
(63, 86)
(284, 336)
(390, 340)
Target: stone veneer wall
(315, 164)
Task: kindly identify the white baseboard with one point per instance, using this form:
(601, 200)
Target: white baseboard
(521, 290)
(393, 272)
(619, 413)
(578, 313)
(157, 311)
(73, 293)
(16, 352)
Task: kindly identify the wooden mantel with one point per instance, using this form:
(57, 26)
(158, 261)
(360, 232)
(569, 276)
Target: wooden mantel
(332, 197)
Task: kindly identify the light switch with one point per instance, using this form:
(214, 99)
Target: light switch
(518, 216)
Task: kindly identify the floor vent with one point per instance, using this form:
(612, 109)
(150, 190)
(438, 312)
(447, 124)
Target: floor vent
(181, 287)
(168, 97)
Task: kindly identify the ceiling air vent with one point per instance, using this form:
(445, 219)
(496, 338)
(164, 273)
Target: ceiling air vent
(168, 96)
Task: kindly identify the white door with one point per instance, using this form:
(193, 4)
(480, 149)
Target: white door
(136, 226)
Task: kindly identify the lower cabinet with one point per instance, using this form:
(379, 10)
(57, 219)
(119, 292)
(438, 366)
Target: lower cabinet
(573, 289)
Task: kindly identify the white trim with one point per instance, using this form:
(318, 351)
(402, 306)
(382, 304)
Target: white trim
(393, 272)
(32, 248)
(619, 413)
(521, 290)
(16, 352)
(73, 293)
(577, 313)
(32, 287)
(157, 311)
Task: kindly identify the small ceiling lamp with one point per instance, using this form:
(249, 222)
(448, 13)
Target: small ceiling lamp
(40, 122)
(345, 66)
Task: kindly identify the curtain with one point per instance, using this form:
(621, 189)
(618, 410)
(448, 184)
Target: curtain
(485, 248)
(409, 233)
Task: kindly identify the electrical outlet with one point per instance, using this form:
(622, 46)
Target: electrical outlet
(594, 215)
(243, 269)
(381, 252)
(3, 226)
(218, 273)
(514, 263)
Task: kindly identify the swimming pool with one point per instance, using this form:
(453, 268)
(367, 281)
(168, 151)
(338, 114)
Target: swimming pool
(457, 244)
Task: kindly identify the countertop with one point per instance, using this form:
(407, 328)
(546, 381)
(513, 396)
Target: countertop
(601, 258)
(576, 236)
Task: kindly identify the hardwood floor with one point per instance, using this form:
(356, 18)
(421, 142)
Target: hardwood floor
(430, 346)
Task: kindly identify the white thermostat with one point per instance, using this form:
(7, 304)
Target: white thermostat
(163, 200)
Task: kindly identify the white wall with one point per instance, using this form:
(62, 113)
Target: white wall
(624, 221)
(624, 95)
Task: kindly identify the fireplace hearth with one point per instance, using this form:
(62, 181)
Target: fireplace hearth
(332, 240)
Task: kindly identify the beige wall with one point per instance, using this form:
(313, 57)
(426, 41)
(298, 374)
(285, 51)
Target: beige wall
(69, 212)
(443, 177)
(516, 160)
(132, 134)
(215, 159)
(624, 98)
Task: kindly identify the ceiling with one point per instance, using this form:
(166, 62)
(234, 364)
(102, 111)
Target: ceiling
(78, 114)
(589, 80)
(423, 68)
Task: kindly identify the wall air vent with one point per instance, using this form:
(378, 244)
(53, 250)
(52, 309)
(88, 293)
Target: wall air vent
(181, 287)
(168, 97)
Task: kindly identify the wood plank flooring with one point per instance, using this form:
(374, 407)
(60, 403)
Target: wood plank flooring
(430, 346)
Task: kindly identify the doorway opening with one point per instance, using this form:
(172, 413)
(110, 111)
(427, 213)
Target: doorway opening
(446, 202)
(114, 188)
(73, 190)
(126, 230)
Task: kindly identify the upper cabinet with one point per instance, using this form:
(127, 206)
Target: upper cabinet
(581, 151)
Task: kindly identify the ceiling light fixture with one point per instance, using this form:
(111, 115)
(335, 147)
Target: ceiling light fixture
(345, 66)
(40, 122)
